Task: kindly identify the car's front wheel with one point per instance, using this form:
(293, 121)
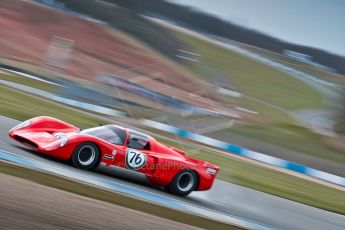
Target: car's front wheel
(183, 183)
(85, 156)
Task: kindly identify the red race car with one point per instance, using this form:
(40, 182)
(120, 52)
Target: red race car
(163, 165)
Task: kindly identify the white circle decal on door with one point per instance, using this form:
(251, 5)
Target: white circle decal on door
(135, 159)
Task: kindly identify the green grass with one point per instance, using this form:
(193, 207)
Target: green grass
(291, 137)
(111, 197)
(251, 77)
(269, 180)
(265, 113)
(28, 82)
(22, 106)
(272, 88)
(320, 73)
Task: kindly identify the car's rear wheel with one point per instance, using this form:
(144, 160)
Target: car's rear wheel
(183, 183)
(86, 156)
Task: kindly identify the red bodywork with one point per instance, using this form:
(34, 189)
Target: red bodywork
(162, 162)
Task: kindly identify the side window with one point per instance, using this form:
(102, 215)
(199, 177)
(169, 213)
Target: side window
(138, 141)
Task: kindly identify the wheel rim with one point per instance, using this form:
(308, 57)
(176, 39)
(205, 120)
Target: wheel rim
(86, 155)
(185, 181)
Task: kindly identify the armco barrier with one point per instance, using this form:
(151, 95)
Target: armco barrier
(247, 153)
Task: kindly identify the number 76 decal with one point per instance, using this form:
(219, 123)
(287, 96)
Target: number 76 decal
(135, 159)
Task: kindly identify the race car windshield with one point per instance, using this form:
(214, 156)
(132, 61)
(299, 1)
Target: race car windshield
(138, 141)
(109, 133)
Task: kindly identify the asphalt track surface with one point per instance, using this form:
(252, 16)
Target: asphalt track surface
(223, 197)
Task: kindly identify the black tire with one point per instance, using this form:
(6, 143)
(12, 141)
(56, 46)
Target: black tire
(86, 156)
(183, 183)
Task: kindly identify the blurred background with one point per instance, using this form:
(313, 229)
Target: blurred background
(188, 68)
(265, 75)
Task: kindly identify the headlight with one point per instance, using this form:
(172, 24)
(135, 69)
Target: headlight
(62, 138)
(211, 171)
(63, 141)
(59, 135)
(21, 125)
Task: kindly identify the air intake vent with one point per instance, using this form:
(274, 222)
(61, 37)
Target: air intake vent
(26, 141)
